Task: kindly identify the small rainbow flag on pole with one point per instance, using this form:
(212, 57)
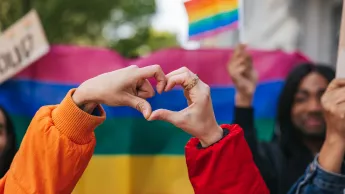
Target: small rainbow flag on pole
(210, 17)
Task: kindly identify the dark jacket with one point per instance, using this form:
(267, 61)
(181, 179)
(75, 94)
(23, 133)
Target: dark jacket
(282, 161)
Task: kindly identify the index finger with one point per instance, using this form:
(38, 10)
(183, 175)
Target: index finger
(156, 72)
(239, 49)
(249, 60)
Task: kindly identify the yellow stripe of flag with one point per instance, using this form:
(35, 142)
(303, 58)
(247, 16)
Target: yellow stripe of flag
(135, 175)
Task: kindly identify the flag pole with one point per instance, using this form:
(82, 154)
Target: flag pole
(241, 22)
(340, 71)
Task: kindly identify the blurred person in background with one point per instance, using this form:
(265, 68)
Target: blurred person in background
(300, 122)
(7, 141)
(326, 174)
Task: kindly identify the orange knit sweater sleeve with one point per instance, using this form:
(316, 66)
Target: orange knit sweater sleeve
(55, 151)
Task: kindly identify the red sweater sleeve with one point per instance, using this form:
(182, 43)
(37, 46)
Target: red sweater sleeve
(226, 167)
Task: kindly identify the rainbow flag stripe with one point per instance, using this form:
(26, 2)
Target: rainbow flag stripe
(133, 156)
(210, 17)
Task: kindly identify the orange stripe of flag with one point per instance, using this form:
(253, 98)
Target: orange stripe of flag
(200, 9)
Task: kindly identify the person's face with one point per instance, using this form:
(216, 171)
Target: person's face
(3, 132)
(306, 109)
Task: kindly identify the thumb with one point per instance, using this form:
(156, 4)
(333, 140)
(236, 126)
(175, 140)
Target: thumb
(166, 115)
(141, 105)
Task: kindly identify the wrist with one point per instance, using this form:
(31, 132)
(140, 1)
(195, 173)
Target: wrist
(243, 100)
(215, 134)
(332, 153)
(80, 99)
(336, 141)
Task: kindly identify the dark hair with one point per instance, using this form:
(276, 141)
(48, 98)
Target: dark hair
(10, 148)
(285, 102)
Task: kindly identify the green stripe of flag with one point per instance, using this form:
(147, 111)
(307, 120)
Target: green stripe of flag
(138, 136)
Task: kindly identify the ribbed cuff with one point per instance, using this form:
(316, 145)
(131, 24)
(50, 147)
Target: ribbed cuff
(73, 122)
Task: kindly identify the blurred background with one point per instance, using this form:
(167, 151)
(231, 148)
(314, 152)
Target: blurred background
(90, 37)
(138, 27)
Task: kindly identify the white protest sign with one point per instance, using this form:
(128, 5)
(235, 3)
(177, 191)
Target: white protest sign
(340, 71)
(21, 44)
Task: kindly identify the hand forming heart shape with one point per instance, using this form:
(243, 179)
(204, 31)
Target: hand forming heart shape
(130, 87)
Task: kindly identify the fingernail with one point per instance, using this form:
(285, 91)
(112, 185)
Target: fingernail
(151, 118)
(146, 114)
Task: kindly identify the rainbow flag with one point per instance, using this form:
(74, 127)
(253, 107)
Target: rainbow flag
(133, 156)
(210, 17)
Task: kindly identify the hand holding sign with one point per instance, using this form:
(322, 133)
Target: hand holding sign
(331, 156)
(243, 75)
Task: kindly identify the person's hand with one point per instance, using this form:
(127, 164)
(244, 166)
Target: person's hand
(333, 102)
(198, 118)
(243, 75)
(125, 87)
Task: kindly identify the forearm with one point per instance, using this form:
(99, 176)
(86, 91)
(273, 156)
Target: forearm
(326, 174)
(243, 101)
(225, 167)
(245, 118)
(55, 150)
(332, 153)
